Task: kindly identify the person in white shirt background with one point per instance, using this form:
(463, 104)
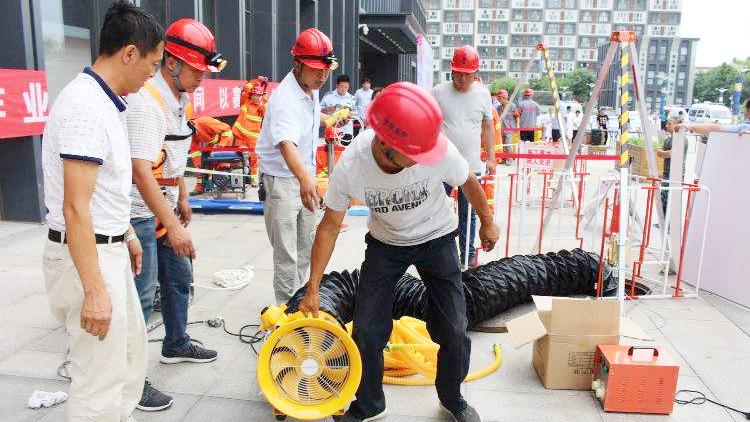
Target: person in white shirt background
(362, 98)
(338, 99)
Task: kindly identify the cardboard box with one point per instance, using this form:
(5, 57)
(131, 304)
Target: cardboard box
(565, 332)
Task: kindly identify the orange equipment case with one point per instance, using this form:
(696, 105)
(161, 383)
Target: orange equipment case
(634, 379)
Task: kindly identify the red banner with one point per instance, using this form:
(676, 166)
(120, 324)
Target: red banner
(217, 97)
(23, 102)
(220, 97)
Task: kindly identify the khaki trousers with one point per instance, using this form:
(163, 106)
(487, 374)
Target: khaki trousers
(290, 228)
(106, 376)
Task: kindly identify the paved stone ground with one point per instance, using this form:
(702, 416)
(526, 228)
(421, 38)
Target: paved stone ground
(708, 335)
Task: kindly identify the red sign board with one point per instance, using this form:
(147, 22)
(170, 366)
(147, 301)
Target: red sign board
(220, 97)
(217, 97)
(23, 102)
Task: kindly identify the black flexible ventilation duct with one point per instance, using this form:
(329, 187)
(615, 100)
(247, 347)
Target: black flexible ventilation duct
(490, 289)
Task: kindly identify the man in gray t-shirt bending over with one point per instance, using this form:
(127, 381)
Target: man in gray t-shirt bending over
(398, 170)
(467, 122)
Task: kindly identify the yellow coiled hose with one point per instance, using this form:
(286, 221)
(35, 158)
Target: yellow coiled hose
(411, 352)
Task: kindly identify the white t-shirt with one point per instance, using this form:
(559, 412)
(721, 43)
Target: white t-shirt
(463, 113)
(407, 208)
(291, 115)
(333, 99)
(362, 97)
(147, 126)
(87, 122)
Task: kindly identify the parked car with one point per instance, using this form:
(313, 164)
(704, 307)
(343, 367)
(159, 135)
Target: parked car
(708, 112)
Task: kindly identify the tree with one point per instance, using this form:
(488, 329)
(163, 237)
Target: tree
(578, 83)
(539, 84)
(505, 83)
(708, 83)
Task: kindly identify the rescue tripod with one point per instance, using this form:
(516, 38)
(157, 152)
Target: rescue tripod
(624, 41)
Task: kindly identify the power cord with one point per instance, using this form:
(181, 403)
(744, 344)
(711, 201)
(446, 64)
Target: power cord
(251, 339)
(701, 398)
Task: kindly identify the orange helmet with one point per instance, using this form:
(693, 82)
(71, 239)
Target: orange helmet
(257, 86)
(314, 49)
(465, 59)
(502, 94)
(193, 43)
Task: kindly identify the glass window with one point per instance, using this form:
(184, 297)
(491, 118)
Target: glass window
(209, 14)
(66, 30)
(157, 8)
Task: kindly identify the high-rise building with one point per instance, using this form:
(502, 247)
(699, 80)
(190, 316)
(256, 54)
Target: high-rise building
(506, 33)
(666, 66)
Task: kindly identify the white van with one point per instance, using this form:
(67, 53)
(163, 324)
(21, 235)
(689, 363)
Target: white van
(708, 112)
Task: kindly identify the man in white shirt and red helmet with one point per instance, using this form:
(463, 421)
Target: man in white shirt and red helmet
(160, 135)
(286, 151)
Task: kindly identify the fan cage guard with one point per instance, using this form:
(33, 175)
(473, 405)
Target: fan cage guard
(309, 368)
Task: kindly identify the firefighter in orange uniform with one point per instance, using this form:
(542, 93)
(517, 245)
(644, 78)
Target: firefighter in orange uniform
(246, 128)
(209, 132)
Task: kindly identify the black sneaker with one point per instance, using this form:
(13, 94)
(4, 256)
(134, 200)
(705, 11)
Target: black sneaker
(469, 414)
(349, 418)
(191, 353)
(153, 400)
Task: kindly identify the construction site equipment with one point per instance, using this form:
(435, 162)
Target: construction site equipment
(624, 41)
(635, 379)
(410, 357)
(489, 289)
(308, 368)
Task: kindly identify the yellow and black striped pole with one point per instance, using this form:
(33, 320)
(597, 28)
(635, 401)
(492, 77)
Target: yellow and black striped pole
(553, 85)
(624, 103)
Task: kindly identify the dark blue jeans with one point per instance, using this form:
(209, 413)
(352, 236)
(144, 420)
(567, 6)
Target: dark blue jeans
(174, 275)
(437, 264)
(463, 206)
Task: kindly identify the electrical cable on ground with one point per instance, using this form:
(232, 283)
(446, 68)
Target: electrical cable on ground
(701, 398)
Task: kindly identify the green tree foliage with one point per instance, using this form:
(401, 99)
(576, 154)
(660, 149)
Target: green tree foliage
(707, 83)
(505, 83)
(539, 84)
(577, 83)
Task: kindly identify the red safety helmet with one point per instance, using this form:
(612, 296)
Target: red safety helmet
(314, 49)
(408, 119)
(502, 93)
(465, 59)
(528, 92)
(193, 43)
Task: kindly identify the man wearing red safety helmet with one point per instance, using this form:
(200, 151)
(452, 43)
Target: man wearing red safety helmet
(510, 120)
(286, 151)
(398, 169)
(529, 113)
(160, 136)
(467, 122)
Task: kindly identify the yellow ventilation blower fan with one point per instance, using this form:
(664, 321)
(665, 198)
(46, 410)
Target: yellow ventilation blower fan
(308, 368)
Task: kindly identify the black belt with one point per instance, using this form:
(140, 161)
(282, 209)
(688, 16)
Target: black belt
(57, 237)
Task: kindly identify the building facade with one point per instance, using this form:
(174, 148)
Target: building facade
(666, 66)
(506, 32)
